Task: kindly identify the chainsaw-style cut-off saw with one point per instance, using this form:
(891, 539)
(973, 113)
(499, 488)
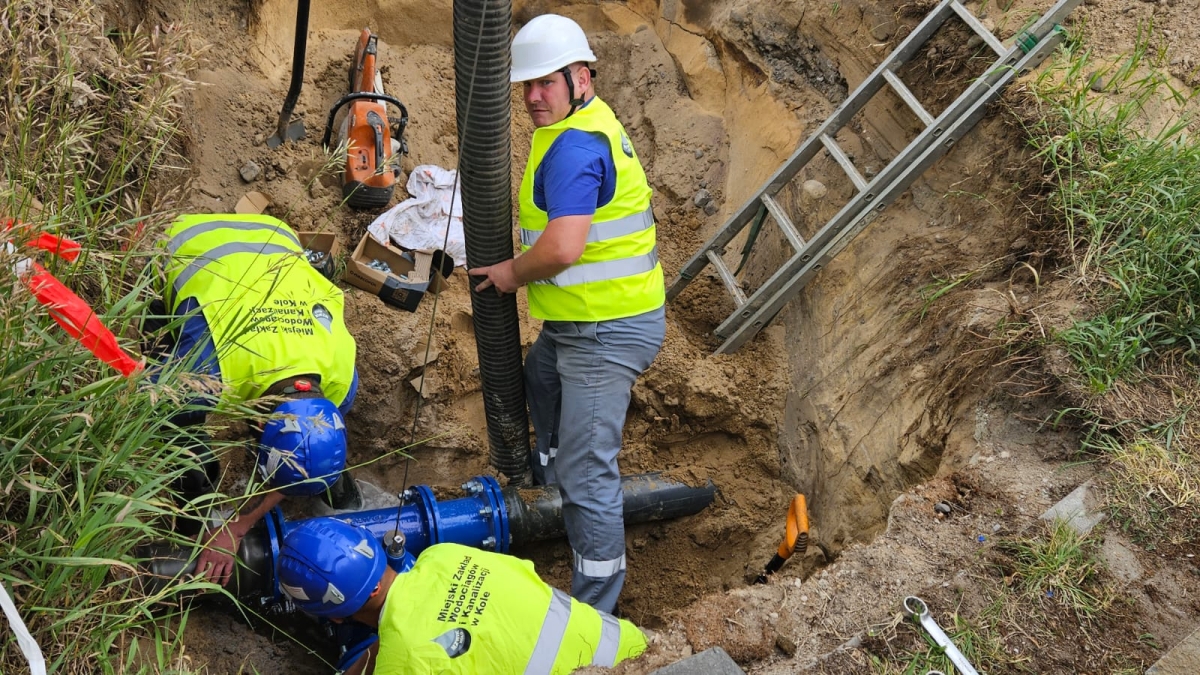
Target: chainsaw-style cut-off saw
(374, 144)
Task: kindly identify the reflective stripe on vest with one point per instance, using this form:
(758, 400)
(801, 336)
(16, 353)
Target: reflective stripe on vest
(605, 270)
(219, 252)
(610, 641)
(554, 627)
(598, 569)
(609, 229)
(194, 231)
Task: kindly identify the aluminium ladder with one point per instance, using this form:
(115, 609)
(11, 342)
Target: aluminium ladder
(871, 197)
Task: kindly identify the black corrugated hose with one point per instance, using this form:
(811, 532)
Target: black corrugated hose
(482, 31)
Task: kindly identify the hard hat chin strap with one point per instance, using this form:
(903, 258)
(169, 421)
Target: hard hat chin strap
(576, 103)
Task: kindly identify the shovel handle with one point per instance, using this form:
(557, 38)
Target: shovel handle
(299, 47)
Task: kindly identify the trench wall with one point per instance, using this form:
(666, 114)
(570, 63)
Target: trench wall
(882, 384)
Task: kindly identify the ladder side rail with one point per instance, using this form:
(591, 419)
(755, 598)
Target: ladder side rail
(738, 221)
(807, 150)
(763, 315)
(1047, 23)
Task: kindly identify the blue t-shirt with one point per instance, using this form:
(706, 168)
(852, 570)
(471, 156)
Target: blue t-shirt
(577, 175)
(195, 342)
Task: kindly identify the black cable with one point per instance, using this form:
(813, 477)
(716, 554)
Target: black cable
(412, 439)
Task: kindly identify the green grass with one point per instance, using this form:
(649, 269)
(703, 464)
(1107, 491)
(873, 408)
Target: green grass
(1123, 187)
(89, 131)
(1120, 156)
(1059, 566)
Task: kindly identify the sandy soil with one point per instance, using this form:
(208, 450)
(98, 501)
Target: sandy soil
(875, 417)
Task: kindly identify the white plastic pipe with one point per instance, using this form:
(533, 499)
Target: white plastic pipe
(29, 646)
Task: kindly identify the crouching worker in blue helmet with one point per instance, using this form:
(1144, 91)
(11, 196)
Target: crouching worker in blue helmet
(458, 610)
(256, 315)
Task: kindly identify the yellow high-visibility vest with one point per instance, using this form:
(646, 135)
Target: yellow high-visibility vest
(619, 274)
(271, 315)
(463, 610)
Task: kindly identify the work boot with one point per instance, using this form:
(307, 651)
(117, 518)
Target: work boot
(344, 494)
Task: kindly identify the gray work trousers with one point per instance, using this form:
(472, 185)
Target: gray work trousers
(578, 378)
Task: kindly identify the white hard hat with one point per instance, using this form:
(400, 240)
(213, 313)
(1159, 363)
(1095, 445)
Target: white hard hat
(546, 44)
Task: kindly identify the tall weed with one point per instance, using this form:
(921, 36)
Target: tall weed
(90, 136)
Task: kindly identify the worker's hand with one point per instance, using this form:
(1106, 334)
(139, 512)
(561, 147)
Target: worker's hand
(500, 276)
(216, 560)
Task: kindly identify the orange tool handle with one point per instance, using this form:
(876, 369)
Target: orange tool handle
(796, 536)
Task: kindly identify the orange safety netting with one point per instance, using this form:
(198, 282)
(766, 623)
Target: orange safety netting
(68, 309)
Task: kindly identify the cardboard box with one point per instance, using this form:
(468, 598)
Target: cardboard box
(410, 275)
(252, 202)
(326, 243)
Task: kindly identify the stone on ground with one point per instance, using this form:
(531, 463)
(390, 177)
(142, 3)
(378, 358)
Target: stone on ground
(712, 661)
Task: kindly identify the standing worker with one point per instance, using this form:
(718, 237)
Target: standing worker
(267, 324)
(589, 257)
(457, 610)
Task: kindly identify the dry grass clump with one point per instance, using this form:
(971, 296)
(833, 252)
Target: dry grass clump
(89, 120)
(1158, 492)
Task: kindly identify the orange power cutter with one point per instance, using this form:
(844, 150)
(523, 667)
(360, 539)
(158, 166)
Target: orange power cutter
(370, 178)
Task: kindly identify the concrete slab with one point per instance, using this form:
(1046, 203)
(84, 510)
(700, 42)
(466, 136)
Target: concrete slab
(708, 662)
(1081, 509)
(1183, 659)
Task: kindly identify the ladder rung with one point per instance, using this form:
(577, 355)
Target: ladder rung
(731, 283)
(836, 152)
(980, 30)
(784, 222)
(906, 94)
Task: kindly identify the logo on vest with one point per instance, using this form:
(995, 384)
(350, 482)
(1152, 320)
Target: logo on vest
(323, 317)
(456, 642)
(626, 146)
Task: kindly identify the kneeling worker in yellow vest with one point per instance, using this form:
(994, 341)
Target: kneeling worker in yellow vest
(458, 610)
(252, 312)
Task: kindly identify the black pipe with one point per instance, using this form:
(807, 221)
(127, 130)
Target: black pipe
(482, 30)
(535, 514)
(253, 577)
(299, 47)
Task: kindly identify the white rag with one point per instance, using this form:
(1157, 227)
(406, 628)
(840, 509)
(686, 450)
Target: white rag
(419, 222)
(29, 646)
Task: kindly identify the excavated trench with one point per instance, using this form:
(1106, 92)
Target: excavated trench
(857, 391)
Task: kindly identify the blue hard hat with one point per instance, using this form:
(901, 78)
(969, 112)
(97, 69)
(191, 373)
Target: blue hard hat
(329, 567)
(303, 446)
